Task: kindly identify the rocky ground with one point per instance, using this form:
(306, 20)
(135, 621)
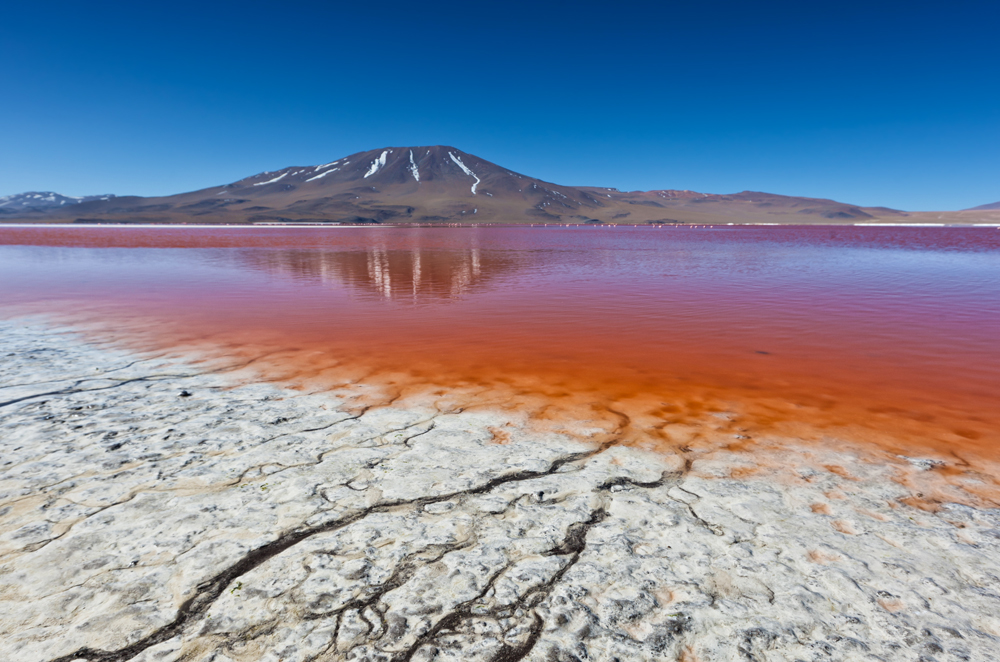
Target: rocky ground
(152, 509)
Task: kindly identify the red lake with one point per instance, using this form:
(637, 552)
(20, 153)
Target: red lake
(887, 335)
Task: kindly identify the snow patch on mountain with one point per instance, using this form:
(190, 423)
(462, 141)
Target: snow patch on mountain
(324, 174)
(413, 167)
(326, 165)
(466, 170)
(271, 181)
(377, 165)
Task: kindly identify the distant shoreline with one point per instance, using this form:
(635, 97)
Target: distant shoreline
(334, 224)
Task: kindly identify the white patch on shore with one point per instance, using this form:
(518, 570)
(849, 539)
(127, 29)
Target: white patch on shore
(922, 463)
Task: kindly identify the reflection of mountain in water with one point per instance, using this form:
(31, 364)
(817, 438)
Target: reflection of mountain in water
(416, 275)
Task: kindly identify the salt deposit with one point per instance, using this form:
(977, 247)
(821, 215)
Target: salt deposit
(159, 509)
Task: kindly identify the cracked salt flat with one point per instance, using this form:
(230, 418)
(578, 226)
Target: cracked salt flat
(154, 509)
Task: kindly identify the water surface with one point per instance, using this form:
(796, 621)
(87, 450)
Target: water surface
(888, 334)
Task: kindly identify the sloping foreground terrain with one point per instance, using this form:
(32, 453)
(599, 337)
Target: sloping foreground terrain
(158, 510)
(441, 184)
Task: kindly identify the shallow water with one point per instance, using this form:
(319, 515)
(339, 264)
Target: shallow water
(880, 334)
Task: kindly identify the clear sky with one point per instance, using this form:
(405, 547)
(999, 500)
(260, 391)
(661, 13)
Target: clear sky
(874, 103)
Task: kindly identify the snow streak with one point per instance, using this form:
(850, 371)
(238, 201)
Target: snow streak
(271, 181)
(413, 167)
(323, 174)
(461, 165)
(325, 165)
(376, 165)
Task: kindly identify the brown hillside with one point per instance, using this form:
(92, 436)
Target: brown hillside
(441, 184)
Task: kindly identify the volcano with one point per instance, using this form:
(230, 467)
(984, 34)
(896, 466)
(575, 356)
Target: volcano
(437, 184)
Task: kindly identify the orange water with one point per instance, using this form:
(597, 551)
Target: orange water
(883, 335)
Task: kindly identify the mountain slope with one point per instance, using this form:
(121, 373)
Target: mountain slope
(440, 184)
(416, 184)
(419, 184)
(990, 207)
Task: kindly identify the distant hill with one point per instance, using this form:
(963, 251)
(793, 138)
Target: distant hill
(989, 207)
(41, 202)
(436, 184)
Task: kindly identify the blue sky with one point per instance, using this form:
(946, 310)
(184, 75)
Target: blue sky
(894, 104)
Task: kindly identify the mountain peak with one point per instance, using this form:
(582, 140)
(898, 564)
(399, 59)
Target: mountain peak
(421, 165)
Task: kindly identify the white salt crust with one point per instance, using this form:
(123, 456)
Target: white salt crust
(249, 522)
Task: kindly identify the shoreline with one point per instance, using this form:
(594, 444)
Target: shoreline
(334, 224)
(169, 509)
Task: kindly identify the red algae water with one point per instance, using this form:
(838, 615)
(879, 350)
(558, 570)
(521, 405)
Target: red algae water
(876, 334)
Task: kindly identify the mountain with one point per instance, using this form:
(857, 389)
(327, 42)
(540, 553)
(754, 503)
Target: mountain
(436, 184)
(990, 207)
(41, 201)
